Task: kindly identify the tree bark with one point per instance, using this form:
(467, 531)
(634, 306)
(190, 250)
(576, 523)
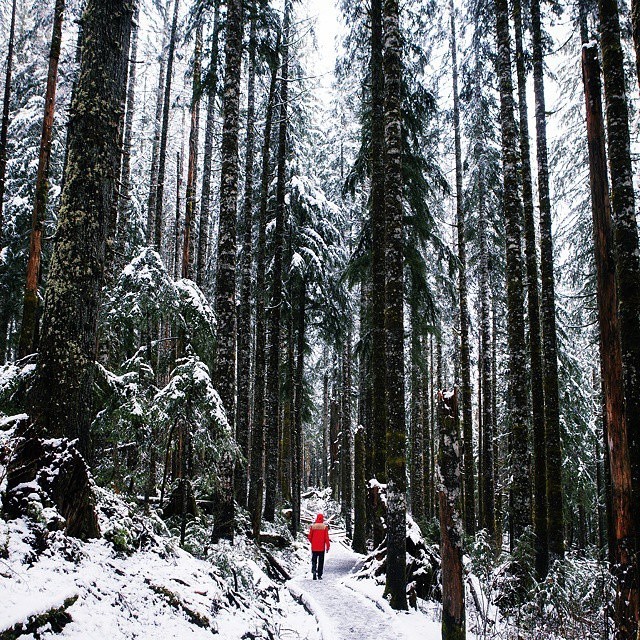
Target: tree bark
(188, 247)
(625, 238)
(4, 127)
(176, 221)
(60, 398)
(555, 517)
(512, 209)
(225, 297)
(211, 88)
(416, 468)
(533, 311)
(394, 312)
(243, 422)
(347, 469)
(465, 361)
(124, 201)
(164, 135)
(298, 467)
(359, 543)
(29, 329)
(451, 531)
(624, 566)
(275, 311)
(256, 470)
(155, 148)
(378, 225)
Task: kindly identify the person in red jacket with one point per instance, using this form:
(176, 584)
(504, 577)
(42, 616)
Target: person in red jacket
(319, 538)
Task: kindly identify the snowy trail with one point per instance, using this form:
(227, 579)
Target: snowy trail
(344, 614)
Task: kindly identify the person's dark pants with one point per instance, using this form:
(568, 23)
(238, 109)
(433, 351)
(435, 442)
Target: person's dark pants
(317, 563)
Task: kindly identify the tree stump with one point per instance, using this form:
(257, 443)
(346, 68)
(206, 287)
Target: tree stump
(52, 473)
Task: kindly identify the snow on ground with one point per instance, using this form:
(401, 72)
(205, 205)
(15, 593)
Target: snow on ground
(159, 591)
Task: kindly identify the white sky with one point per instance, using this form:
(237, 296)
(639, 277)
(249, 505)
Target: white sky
(327, 28)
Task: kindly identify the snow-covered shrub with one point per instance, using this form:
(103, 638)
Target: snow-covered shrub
(148, 398)
(14, 380)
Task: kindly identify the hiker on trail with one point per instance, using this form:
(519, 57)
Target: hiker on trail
(319, 538)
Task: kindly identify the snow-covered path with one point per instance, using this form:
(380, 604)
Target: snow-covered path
(345, 614)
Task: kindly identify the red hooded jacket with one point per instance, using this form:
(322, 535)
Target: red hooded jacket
(319, 535)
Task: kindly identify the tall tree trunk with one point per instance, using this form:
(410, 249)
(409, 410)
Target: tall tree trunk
(465, 361)
(4, 127)
(497, 460)
(625, 238)
(243, 422)
(298, 467)
(512, 208)
(555, 517)
(416, 466)
(211, 87)
(533, 309)
(286, 445)
(347, 469)
(359, 543)
(488, 426)
(29, 329)
(378, 278)
(60, 398)
(155, 148)
(362, 507)
(275, 311)
(225, 298)
(635, 29)
(394, 313)
(164, 135)
(611, 363)
(176, 221)
(256, 470)
(188, 247)
(453, 607)
(125, 207)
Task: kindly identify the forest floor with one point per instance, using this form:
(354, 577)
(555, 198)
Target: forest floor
(136, 582)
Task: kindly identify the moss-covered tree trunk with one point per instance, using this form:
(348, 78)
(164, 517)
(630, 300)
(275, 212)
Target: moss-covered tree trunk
(4, 126)
(533, 313)
(451, 530)
(512, 212)
(611, 362)
(243, 415)
(60, 399)
(188, 245)
(164, 135)
(29, 328)
(274, 313)
(225, 296)
(465, 360)
(394, 312)
(210, 87)
(555, 518)
(378, 278)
